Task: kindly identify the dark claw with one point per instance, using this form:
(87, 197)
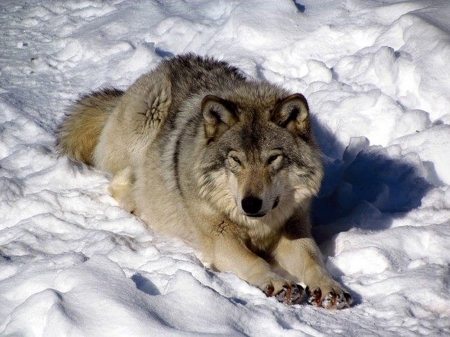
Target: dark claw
(348, 298)
(296, 295)
(281, 296)
(314, 298)
(290, 294)
(341, 302)
(346, 301)
(269, 290)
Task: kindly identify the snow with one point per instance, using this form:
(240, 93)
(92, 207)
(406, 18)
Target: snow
(376, 75)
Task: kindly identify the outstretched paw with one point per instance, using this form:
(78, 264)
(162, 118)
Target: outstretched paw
(333, 299)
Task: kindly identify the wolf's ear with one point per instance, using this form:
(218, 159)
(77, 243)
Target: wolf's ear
(292, 113)
(218, 114)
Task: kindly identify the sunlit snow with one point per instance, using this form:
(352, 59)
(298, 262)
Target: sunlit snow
(377, 77)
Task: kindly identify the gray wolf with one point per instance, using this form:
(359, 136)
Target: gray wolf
(227, 163)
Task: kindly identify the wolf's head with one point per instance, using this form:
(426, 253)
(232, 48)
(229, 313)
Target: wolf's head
(261, 157)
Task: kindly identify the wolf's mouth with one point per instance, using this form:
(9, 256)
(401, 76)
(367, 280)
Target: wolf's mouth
(258, 215)
(275, 204)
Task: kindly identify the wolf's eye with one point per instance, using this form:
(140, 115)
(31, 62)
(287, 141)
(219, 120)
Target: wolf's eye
(274, 158)
(235, 159)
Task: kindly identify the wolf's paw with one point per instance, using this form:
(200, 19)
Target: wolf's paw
(330, 296)
(284, 291)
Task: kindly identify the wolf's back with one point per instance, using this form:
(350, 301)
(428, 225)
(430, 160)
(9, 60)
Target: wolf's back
(79, 133)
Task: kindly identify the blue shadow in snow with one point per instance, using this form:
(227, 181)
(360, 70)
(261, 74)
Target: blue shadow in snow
(363, 182)
(145, 285)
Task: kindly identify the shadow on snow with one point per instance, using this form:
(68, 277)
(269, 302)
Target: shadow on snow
(363, 186)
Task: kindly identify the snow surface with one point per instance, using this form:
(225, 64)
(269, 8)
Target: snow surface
(377, 76)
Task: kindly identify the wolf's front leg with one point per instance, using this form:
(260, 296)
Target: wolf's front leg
(298, 254)
(228, 252)
(301, 258)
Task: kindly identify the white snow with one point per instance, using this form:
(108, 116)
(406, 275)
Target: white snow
(377, 77)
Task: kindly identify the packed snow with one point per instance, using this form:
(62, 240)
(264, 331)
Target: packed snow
(377, 77)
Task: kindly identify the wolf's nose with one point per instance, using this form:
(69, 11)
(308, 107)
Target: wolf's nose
(251, 205)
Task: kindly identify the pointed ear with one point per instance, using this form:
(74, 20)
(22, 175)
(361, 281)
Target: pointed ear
(218, 114)
(293, 114)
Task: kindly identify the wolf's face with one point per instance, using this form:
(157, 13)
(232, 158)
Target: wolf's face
(254, 179)
(263, 158)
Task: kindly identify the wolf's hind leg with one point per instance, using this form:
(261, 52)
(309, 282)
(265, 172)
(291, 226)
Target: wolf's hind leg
(121, 189)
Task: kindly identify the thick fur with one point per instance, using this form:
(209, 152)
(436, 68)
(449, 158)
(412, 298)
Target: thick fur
(80, 133)
(229, 164)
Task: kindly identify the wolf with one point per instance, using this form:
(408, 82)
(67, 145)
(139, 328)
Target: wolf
(227, 163)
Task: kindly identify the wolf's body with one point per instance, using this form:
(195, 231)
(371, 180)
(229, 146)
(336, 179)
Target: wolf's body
(229, 164)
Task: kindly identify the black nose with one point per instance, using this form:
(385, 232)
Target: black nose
(251, 205)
